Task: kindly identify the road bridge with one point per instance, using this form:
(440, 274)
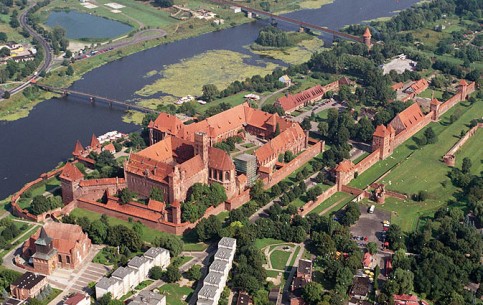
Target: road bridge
(93, 98)
(301, 24)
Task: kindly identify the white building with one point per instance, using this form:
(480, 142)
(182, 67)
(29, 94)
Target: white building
(215, 281)
(285, 80)
(124, 279)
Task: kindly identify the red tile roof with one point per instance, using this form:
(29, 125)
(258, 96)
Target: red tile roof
(280, 143)
(65, 236)
(405, 297)
(219, 159)
(192, 166)
(397, 86)
(155, 205)
(110, 148)
(345, 166)
(71, 173)
(290, 102)
(167, 123)
(419, 86)
(78, 149)
(410, 116)
(75, 299)
(367, 33)
(380, 131)
(94, 142)
(366, 261)
(463, 83)
(102, 181)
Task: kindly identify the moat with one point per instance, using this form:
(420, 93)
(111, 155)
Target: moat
(47, 136)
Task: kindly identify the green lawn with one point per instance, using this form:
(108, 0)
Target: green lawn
(424, 170)
(264, 242)
(279, 259)
(31, 230)
(181, 260)
(294, 257)
(361, 157)
(406, 213)
(175, 295)
(272, 273)
(341, 198)
(55, 292)
(144, 284)
(425, 162)
(472, 149)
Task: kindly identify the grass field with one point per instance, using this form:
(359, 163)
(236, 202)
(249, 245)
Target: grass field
(426, 160)
(175, 295)
(339, 197)
(298, 54)
(264, 242)
(472, 149)
(279, 259)
(406, 213)
(424, 170)
(294, 257)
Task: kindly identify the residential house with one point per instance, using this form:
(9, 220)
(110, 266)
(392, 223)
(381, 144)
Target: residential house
(27, 286)
(78, 299)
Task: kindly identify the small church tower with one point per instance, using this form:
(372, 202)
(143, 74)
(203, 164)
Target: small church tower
(434, 108)
(383, 140)
(367, 38)
(201, 146)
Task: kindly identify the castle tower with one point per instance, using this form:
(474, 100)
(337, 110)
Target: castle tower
(344, 173)
(70, 178)
(463, 86)
(201, 146)
(78, 149)
(383, 140)
(434, 108)
(175, 213)
(367, 38)
(95, 144)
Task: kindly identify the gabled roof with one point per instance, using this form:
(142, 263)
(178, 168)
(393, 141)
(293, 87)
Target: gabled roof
(78, 149)
(280, 143)
(168, 123)
(76, 299)
(192, 166)
(410, 116)
(94, 142)
(367, 33)
(155, 205)
(64, 236)
(110, 148)
(291, 101)
(419, 86)
(345, 166)
(463, 83)
(397, 86)
(70, 172)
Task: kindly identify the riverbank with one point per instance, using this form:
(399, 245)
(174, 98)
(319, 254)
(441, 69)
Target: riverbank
(18, 106)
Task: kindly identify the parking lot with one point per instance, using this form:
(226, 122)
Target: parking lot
(370, 225)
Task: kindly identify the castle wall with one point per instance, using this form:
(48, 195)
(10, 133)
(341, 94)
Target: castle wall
(237, 201)
(367, 162)
(143, 186)
(309, 206)
(450, 157)
(304, 157)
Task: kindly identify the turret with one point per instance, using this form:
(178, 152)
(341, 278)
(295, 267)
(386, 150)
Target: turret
(367, 37)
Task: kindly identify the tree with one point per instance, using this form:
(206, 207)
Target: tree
(312, 293)
(430, 136)
(156, 194)
(365, 129)
(164, 3)
(98, 231)
(70, 70)
(170, 242)
(372, 248)
(6, 95)
(394, 236)
(156, 273)
(210, 92)
(3, 37)
(306, 124)
(39, 205)
(172, 274)
(466, 167)
(194, 273)
(34, 301)
(126, 195)
(288, 156)
(209, 228)
(323, 128)
(404, 280)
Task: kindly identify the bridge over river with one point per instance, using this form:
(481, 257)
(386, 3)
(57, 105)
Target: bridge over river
(94, 98)
(301, 24)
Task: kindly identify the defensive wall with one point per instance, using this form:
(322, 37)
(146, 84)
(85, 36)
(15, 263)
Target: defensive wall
(400, 138)
(450, 157)
(24, 213)
(308, 154)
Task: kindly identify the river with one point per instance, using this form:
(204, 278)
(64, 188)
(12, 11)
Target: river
(35, 144)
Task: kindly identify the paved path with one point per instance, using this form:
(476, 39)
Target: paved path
(77, 280)
(265, 98)
(318, 108)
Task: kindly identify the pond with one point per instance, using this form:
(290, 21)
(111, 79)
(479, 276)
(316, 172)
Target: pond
(81, 25)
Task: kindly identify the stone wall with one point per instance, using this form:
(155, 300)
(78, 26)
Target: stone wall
(406, 134)
(309, 206)
(367, 162)
(237, 201)
(450, 157)
(293, 165)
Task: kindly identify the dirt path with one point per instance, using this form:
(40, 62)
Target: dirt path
(265, 98)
